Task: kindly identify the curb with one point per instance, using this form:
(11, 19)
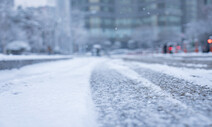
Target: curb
(12, 64)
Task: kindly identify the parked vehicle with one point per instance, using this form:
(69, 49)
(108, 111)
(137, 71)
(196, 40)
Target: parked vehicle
(17, 47)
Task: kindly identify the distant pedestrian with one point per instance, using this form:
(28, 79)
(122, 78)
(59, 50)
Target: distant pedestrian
(49, 50)
(165, 48)
(171, 49)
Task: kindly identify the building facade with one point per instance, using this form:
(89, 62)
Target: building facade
(118, 19)
(63, 34)
(204, 8)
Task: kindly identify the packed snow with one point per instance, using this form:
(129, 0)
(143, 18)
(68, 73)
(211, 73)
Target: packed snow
(54, 94)
(126, 96)
(103, 92)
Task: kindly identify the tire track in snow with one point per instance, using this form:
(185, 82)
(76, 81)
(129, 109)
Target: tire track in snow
(123, 98)
(195, 96)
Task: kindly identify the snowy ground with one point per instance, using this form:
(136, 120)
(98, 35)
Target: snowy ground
(54, 94)
(102, 92)
(135, 94)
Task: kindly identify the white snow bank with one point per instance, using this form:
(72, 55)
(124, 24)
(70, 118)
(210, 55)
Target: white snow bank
(55, 94)
(31, 57)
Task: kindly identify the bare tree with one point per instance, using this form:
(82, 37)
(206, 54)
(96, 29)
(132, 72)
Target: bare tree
(5, 24)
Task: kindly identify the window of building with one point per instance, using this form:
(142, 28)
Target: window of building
(94, 8)
(95, 22)
(94, 1)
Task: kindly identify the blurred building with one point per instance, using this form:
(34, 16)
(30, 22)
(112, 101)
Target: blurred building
(204, 8)
(164, 16)
(99, 17)
(63, 35)
(190, 12)
(194, 10)
(204, 14)
(117, 19)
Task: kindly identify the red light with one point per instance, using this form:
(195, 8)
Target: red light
(209, 41)
(178, 47)
(170, 48)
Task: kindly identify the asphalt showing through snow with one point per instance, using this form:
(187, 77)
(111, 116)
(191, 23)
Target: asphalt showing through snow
(156, 100)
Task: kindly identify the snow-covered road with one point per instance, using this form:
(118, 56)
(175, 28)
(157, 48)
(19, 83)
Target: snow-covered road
(102, 92)
(138, 94)
(54, 94)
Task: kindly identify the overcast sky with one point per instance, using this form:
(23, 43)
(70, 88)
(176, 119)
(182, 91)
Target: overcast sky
(34, 3)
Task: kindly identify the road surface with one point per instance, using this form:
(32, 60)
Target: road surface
(103, 92)
(127, 94)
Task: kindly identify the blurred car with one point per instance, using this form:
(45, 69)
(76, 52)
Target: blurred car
(17, 47)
